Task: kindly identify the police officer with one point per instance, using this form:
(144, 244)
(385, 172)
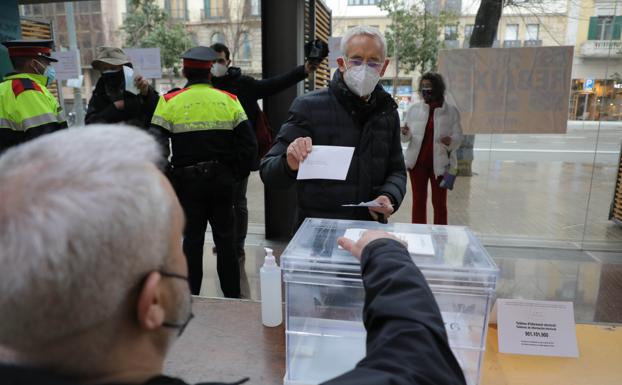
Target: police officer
(27, 108)
(213, 147)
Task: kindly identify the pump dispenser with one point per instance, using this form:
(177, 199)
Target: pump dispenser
(271, 303)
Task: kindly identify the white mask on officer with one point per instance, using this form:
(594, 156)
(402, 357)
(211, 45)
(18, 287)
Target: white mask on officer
(361, 80)
(218, 70)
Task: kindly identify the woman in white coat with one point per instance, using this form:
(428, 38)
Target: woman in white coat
(432, 130)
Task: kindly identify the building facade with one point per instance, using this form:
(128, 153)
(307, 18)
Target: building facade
(593, 27)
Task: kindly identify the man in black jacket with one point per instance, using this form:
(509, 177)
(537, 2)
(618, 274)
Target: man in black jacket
(111, 102)
(354, 112)
(249, 90)
(92, 251)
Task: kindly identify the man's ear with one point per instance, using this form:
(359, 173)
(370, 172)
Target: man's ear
(342, 64)
(384, 67)
(150, 310)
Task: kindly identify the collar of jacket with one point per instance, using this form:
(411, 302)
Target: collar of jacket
(380, 101)
(39, 79)
(232, 74)
(198, 81)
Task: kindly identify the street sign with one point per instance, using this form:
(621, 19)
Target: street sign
(588, 85)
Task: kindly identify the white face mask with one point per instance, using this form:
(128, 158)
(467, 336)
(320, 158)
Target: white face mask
(218, 70)
(361, 79)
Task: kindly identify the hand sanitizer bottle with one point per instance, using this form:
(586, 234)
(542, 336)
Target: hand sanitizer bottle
(271, 304)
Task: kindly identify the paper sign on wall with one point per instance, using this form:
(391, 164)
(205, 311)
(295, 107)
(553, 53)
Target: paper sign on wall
(543, 328)
(68, 65)
(146, 61)
(509, 90)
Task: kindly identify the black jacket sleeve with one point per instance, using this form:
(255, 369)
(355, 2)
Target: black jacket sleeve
(395, 183)
(273, 168)
(162, 136)
(102, 110)
(267, 87)
(245, 144)
(406, 339)
(141, 107)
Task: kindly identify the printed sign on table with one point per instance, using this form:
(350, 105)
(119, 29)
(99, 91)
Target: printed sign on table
(544, 328)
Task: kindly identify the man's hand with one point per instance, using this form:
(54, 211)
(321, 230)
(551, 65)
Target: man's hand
(142, 84)
(446, 140)
(356, 248)
(310, 67)
(386, 207)
(119, 104)
(405, 130)
(297, 151)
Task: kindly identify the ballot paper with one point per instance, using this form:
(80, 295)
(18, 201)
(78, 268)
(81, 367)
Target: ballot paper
(364, 204)
(326, 162)
(420, 244)
(128, 74)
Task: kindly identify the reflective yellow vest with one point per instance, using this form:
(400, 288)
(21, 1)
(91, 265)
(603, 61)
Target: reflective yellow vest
(199, 107)
(26, 103)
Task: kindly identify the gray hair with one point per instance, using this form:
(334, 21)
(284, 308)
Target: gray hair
(84, 217)
(363, 30)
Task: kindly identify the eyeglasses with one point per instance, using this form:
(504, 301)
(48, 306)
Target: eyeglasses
(359, 62)
(180, 326)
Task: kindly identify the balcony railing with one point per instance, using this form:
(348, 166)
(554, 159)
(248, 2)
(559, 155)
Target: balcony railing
(601, 48)
(532, 43)
(511, 43)
(450, 44)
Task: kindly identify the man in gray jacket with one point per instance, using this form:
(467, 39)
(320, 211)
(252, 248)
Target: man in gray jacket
(354, 111)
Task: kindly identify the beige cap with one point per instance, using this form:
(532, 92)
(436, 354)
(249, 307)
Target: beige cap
(110, 55)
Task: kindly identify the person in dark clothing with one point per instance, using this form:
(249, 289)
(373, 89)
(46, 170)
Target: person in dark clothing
(354, 111)
(111, 102)
(249, 90)
(111, 225)
(213, 148)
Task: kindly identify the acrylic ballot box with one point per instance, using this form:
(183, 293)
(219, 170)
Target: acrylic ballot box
(324, 295)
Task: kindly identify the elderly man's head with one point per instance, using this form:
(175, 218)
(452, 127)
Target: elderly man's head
(91, 237)
(364, 59)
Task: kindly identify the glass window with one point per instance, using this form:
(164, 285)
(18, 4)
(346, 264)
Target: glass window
(214, 8)
(177, 9)
(605, 29)
(218, 37)
(533, 32)
(254, 7)
(468, 31)
(245, 52)
(363, 2)
(511, 32)
(451, 32)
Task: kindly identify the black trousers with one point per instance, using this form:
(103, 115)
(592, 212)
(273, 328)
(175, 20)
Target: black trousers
(208, 200)
(240, 205)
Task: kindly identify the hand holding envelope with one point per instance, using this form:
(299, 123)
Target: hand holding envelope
(297, 151)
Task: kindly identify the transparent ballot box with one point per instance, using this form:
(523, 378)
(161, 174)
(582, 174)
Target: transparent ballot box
(324, 295)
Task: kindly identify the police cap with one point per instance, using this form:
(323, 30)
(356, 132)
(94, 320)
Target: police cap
(199, 57)
(30, 48)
